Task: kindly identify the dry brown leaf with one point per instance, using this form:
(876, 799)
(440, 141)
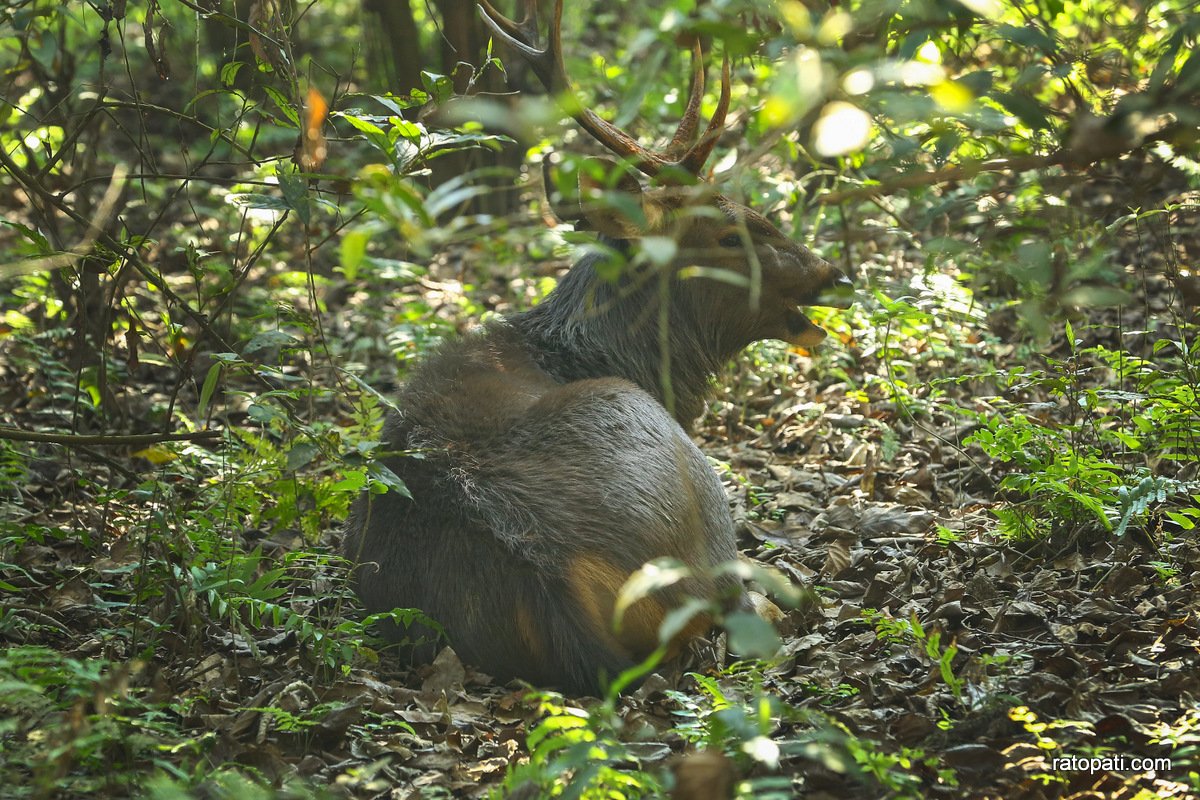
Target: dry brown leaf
(837, 557)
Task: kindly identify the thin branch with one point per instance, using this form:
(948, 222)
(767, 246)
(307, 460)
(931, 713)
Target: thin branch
(216, 133)
(911, 180)
(87, 440)
(1080, 153)
(128, 253)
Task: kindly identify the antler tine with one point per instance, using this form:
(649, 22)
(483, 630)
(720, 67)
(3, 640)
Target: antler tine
(685, 134)
(522, 37)
(524, 32)
(693, 160)
(547, 64)
(601, 130)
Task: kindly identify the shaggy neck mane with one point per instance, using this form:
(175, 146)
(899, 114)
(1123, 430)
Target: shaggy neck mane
(589, 327)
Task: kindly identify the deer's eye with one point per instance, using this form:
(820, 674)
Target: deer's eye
(731, 240)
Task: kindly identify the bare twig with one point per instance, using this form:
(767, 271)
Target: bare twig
(1081, 152)
(910, 180)
(88, 440)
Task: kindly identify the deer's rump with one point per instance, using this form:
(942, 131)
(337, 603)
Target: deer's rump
(522, 530)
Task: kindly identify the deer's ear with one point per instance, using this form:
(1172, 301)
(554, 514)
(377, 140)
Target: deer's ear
(611, 199)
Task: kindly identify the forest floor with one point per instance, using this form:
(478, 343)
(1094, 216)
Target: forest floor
(940, 649)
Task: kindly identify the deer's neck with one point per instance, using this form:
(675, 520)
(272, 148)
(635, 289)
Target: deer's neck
(589, 327)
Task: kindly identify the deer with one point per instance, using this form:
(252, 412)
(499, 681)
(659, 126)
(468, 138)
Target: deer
(548, 455)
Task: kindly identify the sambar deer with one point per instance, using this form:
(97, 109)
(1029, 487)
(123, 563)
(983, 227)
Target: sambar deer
(552, 450)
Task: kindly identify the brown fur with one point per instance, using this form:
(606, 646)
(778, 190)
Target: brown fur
(551, 456)
(595, 584)
(555, 458)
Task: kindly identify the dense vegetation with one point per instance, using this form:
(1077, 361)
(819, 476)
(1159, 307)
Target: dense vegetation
(228, 229)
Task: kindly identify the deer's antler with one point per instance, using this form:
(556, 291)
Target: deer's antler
(686, 153)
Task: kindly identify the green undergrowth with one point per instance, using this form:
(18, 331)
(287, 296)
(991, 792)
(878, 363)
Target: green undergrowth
(1106, 447)
(596, 752)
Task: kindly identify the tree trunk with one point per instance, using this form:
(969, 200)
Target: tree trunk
(394, 50)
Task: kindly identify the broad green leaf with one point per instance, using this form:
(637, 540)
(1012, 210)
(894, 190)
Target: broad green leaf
(751, 636)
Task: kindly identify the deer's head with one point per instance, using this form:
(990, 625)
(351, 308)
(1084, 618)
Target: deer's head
(728, 256)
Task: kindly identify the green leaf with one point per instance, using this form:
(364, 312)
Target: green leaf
(206, 391)
(230, 71)
(1188, 80)
(450, 195)
(284, 105)
(382, 474)
(978, 82)
(1166, 62)
(1029, 36)
(363, 125)
(751, 636)
(440, 87)
(678, 619)
(716, 274)
(660, 250)
(352, 482)
(262, 414)
(1181, 519)
(658, 574)
(301, 454)
(353, 249)
(295, 194)
(396, 105)
(406, 129)
(1024, 108)
(771, 579)
(41, 245)
(271, 339)
(374, 135)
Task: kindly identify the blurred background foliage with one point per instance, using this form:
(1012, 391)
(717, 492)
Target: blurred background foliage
(130, 130)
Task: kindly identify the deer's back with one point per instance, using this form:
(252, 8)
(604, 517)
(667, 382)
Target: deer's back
(533, 501)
